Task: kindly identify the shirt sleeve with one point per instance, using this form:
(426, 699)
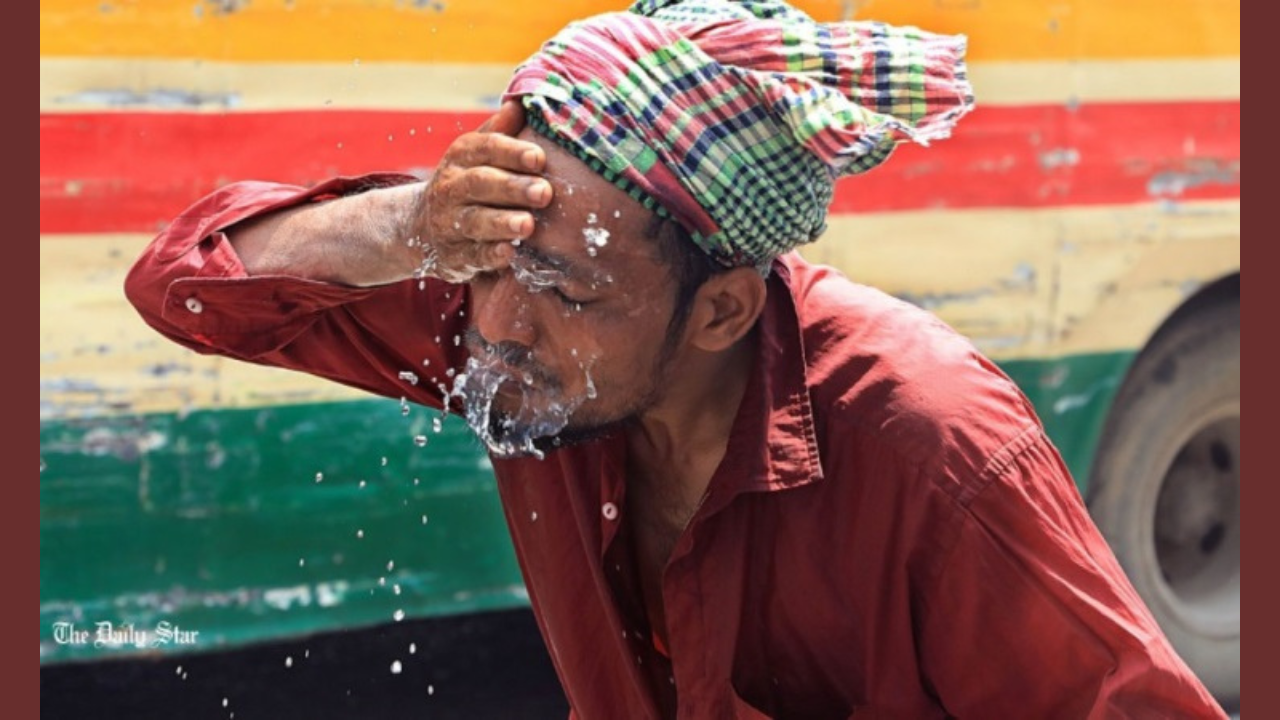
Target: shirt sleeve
(190, 286)
(1032, 616)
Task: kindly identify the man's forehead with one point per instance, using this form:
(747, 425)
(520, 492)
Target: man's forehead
(590, 224)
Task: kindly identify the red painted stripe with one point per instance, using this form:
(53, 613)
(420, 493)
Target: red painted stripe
(131, 172)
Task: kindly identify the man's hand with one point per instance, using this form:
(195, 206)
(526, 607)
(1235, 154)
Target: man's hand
(479, 199)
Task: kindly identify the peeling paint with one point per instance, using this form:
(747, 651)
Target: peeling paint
(155, 97)
(219, 8)
(1068, 403)
(1195, 174)
(125, 445)
(1059, 157)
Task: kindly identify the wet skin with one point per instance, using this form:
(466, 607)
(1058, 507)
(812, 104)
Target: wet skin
(570, 313)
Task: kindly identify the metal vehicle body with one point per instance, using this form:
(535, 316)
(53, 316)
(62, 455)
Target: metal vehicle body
(1082, 227)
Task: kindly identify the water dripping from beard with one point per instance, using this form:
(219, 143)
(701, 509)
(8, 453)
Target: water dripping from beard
(542, 410)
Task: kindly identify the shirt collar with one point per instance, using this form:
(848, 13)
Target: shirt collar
(773, 445)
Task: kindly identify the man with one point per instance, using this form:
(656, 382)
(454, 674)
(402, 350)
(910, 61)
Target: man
(738, 485)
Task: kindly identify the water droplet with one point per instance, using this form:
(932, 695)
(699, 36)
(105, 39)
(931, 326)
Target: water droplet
(595, 237)
(426, 362)
(416, 481)
(382, 581)
(224, 702)
(383, 462)
(409, 377)
(395, 588)
(413, 648)
(398, 615)
(533, 516)
(404, 407)
(420, 440)
(390, 138)
(431, 689)
(360, 534)
(457, 340)
(617, 213)
(395, 667)
(413, 131)
(319, 477)
(391, 565)
(362, 484)
(306, 653)
(178, 671)
(339, 146)
(592, 219)
(288, 661)
(424, 519)
(436, 424)
(302, 562)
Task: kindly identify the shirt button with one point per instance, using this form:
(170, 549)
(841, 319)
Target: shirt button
(610, 511)
(194, 305)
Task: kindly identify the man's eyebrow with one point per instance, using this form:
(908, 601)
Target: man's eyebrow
(559, 263)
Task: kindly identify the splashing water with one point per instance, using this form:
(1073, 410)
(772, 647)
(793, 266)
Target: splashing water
(542, 411)
(596, 239)
(535, 276)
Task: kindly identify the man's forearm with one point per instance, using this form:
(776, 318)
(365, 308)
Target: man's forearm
(358, 240)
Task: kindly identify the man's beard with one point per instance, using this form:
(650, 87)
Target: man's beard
(544, 418)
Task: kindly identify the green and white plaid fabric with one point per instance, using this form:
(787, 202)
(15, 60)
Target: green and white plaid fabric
(736, 118)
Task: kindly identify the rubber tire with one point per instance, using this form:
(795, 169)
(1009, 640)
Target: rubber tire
(1189, 374)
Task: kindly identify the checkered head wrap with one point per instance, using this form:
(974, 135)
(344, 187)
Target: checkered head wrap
(736, 117)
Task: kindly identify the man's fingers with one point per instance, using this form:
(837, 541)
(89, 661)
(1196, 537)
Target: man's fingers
(496, 150)
(494, 255)
(508, 120)
(480, 223)
(491, 186)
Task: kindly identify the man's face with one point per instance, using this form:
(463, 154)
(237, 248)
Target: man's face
(573, 337)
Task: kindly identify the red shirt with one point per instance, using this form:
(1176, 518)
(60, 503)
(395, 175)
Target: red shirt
(890, 533)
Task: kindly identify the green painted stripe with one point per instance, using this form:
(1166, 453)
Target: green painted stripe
(200, 519)
(1073, 395)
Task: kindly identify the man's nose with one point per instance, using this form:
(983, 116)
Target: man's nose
(502, 312)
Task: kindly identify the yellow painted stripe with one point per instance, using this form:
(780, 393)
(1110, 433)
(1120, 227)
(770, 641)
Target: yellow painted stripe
(1022, 284)
(1046, 282)
(77, 84)
(96, 354)
(506, 32)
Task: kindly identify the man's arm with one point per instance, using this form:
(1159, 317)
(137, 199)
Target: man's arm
(318, 280)
(1032, 616)
(459, 223)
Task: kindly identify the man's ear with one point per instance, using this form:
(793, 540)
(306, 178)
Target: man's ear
(725, 309)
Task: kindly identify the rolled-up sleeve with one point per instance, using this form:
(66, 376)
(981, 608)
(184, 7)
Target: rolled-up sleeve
(190, 286)
(1032, 616)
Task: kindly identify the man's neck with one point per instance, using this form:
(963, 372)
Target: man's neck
(684, 436)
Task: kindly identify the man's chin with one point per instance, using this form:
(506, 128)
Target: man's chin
(570, 436)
